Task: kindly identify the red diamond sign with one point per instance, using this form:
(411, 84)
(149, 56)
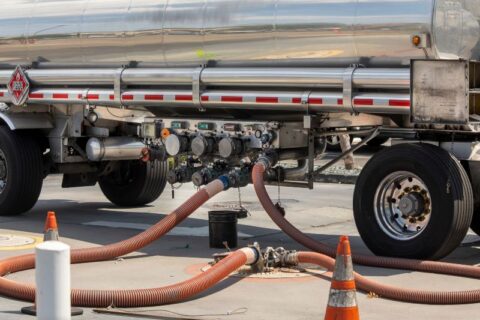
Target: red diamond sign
(18, 86)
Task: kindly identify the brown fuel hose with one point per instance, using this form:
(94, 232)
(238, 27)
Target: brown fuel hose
(415, 296)
(141, 297)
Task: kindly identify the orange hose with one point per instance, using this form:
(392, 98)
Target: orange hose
(139, 297)
(394, 293)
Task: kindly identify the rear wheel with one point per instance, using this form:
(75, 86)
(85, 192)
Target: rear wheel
(135, 183)
(21, 172)
(413, 201)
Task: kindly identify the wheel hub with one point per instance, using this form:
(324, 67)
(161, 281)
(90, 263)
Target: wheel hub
(402, 206)
(412, 205)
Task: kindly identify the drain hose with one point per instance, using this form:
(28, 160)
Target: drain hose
(395, 293)
(141, 297)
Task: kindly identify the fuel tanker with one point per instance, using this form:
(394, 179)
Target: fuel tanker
(108, 91)
(237, 33)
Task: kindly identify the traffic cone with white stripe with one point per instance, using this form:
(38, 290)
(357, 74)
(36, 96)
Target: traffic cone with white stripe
(51, 228)
(342, 301)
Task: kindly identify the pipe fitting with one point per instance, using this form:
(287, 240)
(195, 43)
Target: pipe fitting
(268, 159)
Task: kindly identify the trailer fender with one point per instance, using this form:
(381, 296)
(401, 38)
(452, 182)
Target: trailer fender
(20, 120)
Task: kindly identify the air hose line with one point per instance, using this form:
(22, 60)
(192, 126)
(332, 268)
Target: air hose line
(139, 297)
(324, 254)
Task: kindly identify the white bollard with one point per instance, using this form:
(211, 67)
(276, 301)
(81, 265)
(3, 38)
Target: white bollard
(52, 276)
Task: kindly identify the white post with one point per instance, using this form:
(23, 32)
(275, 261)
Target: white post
(52, 274)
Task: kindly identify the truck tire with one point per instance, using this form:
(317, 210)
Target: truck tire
(135, 183)
(413, 201)
(21, 172)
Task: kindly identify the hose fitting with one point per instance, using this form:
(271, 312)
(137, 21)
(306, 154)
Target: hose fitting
(268, 159)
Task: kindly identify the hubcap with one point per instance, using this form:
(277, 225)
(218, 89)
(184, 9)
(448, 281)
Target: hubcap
(402, 206)
(3, 171)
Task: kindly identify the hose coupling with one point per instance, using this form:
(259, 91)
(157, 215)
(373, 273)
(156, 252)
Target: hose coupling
(269, 159)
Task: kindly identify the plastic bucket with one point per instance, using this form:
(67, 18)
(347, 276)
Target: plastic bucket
(222, 226)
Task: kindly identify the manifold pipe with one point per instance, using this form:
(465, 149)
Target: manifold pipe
(297, 173)
(366, 78)
(416, 296)
(140, 297)
(114, 148)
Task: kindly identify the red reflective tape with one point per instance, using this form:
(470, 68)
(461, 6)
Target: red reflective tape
(154, 97)
(2, 94)
(205, 98)
(315, 100)
(93, 96)
(80, 96)
(266, 100)
(180, 97)
(296, 100)
(340, 101)
(111, 97)
(35, 95)
(60, 96)
(232, 99)
(399, 103)
(128, 97)
(363, 102)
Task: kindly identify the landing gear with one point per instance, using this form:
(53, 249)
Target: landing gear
(413, 201)
(135, 183)
(21, 172)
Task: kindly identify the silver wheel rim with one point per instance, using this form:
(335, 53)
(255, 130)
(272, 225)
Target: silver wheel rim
(3, 171)
(402, 206)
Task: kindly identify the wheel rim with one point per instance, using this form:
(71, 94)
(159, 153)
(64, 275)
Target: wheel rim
(402, 206)
(3, 171)
(333, 140)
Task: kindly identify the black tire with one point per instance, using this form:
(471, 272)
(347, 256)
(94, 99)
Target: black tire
(450, 199)
(23, 175)
(377, 142)
(135, 183)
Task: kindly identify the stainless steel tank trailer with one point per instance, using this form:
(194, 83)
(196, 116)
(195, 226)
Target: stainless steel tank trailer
(106, 91)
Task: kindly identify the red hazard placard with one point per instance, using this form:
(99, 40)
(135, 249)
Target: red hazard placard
(18, 86)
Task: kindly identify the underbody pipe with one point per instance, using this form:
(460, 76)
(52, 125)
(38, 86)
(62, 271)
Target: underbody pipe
(271, 100)
(297, 173)
(373, 78)
(384, 262)
(114, 148)
(141, 297)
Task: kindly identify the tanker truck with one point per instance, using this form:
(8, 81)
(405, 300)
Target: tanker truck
(111, 91)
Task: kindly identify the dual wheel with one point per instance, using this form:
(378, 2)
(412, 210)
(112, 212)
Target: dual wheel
(414, 201)
(22, 172)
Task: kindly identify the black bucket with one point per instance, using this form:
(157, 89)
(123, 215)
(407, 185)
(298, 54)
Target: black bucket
(222, 226)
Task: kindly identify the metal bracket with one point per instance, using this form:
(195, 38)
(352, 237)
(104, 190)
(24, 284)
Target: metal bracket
(306, 100)
(197, 88)
(118, 86)
(308, 123)
(348, 88)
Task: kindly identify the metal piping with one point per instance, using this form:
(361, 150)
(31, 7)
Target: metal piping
(297, 173)
(379, 78)
(114, 148)
(318, 101)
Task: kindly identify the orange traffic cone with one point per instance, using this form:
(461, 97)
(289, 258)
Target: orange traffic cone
(342, 302)
(51, 228)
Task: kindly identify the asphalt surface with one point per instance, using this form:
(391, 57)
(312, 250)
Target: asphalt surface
(87, 219)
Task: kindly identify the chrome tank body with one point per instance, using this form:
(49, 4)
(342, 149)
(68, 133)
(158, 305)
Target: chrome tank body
(235, 32)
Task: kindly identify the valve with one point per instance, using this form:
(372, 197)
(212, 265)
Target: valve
(176, 144)
(229, 147)
(202, 145)
(182, 174)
